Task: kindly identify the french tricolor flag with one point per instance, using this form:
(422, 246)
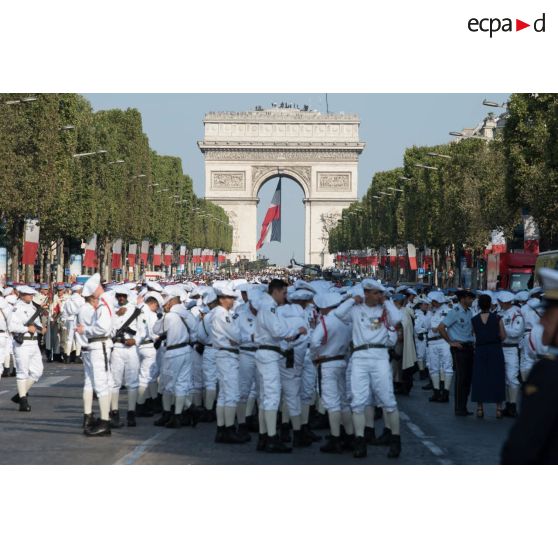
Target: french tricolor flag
(144, 251)
(90, 259)
(132, 252)
(412, 253)
(117, 254)
(271, 226)
(157, 254)
(30, 242)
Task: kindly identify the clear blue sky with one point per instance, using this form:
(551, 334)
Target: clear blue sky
(389, 124)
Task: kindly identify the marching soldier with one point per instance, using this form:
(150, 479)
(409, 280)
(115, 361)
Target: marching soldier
(5, 315)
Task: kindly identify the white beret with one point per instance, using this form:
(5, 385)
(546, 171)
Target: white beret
(521, 296)
(372, 285)
(77, 287)
(11, 299)
(328, 300)
(226, 291)
(535, 291)
(154, 286)
(504, 296)
(301, 284)
(91, 285)
(26, 290)
(209, 296)
(121, 290)
(300, 294)
(155, 296)
(172, 291)
(437, 296)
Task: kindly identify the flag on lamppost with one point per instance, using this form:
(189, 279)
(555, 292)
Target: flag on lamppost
(132, 251)
(412, 254)
(157, 254)
(168, 255)
(116, 262)
(30, 242)
(182, 255)
(144, 252)
(271, 226)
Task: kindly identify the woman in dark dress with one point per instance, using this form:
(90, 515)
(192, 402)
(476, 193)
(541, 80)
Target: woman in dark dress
(489, 372)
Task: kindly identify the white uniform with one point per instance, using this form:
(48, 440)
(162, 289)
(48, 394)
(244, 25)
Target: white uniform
(85, 316)
(440, 363)
(209, 370)
(148, 370)
(514, 326)
(309, 372)
(124, 360)
(5, 340)
(28, 360)
(530, 318)
(420, 337)
(247, 357)
(69, 315)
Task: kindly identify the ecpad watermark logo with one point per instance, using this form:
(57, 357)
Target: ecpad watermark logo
(494, 25)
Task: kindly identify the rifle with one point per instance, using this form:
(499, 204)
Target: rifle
(18, 337)
(124, 328)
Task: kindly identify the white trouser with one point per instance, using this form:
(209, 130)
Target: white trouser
(228, 377)
(439, 358)
(247, 373)
(148, 364)
(4, 349)
(269, 375)
(159, 359)
(291, 384)
(333, 388)
(28, 360)
(98, 369)
(197, 372)
(124, 363)
(309, 375)
(70, 327)
(420, 347)
(511, 358)
(371, 371)
(176, 374)
(87, 371)
(525, 360)
(209, 369)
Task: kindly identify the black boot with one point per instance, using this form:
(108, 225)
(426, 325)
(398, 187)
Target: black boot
(24, 405)
(512, 410)
(312, 436)
(262, 442)
(319, 422)
(423, 374)
(220, 435)
(115, 419)
(348, 442)
(142, 410)
(131, 418)
(16, 398)
(275, 445)
(193, 413)
(360, 447)
(252, 423)
(157, 404)
(333, 445)
(369, 435)
(163, 419)
(65, 358)
(243, 432)
(300, 440)
(444, 396)
(394, 446)
(72, 357)
(285, 433)
(435, 397)
(89, 421)
(175, 421)
(13, 373)
(100, 428)
(231, 437)
(384, 439)
(6, 372)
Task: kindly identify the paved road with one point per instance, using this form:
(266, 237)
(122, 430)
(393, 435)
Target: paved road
(52, 434)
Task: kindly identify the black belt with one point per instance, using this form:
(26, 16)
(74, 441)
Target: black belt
(510, 345)
(368, 346)
(178, 346)
(271, 348)
(147, 342)
(229, 350)
(319, 361)
(526, 331)
(434, 338)
(251, 349)
(29, 338)
(207, 344)
(93, 339)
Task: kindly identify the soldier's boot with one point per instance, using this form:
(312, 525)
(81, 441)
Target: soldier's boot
(100, 428)
(423, 374)
(444, 396)
(275, 445)
(262, 442)
(157, 404)
(435, 397)
(360, 450)
(300, 440)
(307, 432)
(220, 435)
(243, 432)
(131, 418)
(505, 410)
(321, 422)
(72, 356)
(13, 372)
(369, 435)
(285, 433)
(142, 410)
(163, 419)
(394, 446)
(384, 439)
(66, 358)
(348, 442)
(252, 423)
(231, 436)
(115, 419)
(512, 410)
(24, 405)
(6, 372)
(194, 413)
(175, 421)
(333, 445)
(186, 417)
(15, 398)
(88, 421)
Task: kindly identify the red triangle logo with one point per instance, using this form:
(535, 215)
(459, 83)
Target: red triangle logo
(519, 25)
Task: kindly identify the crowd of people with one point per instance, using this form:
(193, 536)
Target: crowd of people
(281, 357)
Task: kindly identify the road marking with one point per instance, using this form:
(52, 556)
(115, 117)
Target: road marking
(418, 432)
(3, 392)
(138, 451)
(50, 381)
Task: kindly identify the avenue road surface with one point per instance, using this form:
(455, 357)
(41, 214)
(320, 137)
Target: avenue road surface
(51, 434)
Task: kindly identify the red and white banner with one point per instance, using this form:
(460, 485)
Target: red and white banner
(392, 256)
(30, 242)
(90, 258)
(144, 252)
(168, 255)
(182, 255)
(222, 257)
(196, 256)
(132, 253)
(498, 242)
(157, 254)
(412, 253)
(530, 235)
(116, 262)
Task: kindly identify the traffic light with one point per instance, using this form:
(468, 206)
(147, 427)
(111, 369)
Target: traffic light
(482, 265)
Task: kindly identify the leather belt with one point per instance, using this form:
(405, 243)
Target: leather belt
(94, 339)
(368, 346)
(207, 344)
(147, 342)
(178, 346)
(319, 361)
(29, 337)
(434, 338)
(526, 331)
(271, 348)
(510, 345)
(229, 350)
(251, 349)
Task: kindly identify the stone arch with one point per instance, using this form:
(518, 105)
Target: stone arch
(302, 176)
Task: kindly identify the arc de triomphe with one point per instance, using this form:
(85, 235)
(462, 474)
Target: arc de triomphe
(243, 150)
